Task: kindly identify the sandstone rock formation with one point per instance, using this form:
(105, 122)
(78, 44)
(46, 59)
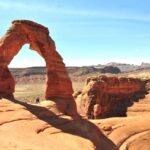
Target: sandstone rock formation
(128, 133)
(24, 126)
(22, 32)
(131, 132)
(108, 96)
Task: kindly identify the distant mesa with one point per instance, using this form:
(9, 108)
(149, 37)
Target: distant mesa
(111, 69)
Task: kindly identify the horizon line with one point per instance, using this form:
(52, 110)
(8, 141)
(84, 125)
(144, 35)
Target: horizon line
(105, 64)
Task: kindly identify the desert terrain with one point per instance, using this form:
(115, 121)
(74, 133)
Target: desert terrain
(103, 107)
(30, 82)
(131, 132)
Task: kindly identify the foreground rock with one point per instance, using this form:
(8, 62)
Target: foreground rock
(108, 96)
(132, 132)
(24, 126)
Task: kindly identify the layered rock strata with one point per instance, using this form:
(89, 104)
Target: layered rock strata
(104, 96)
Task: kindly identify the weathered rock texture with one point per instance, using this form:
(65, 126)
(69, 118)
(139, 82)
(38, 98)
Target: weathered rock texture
(108, 96)
(24, 126)
(131, 132)
(22, 32)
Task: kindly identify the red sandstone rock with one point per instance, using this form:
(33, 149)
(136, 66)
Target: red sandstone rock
(108, 96)
(22, 32)
(45, 128)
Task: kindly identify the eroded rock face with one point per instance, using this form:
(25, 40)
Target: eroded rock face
(27, 32)
(6, 83)
(104, 96)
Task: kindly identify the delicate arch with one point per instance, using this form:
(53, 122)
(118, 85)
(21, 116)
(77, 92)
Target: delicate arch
(58, 84)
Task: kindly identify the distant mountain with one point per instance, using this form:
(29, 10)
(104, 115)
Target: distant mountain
(110, 69)
(126, 67)
(23, 75)
(71, 70)
(143, 65)
(28, 71)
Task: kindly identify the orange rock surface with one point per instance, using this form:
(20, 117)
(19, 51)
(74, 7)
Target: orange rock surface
(108, 96)
(58, 84)
(24, 126)
(131, 132)
(44, 127)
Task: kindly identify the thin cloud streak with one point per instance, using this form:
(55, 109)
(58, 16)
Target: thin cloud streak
(72, 12)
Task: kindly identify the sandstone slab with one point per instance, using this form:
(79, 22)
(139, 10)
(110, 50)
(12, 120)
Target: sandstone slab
(36, 127)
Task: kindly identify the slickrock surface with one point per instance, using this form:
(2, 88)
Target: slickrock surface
(127, 133)
(24, 127)
(104, 96)
(131, 132)
(27, 32)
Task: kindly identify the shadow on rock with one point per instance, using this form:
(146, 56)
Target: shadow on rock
(77, 126)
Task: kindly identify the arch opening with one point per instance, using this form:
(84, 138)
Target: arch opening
(58, 83)
(29, 71)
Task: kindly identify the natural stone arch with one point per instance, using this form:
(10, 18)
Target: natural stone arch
(58, 84)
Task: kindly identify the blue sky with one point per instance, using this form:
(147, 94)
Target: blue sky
(86, 32)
